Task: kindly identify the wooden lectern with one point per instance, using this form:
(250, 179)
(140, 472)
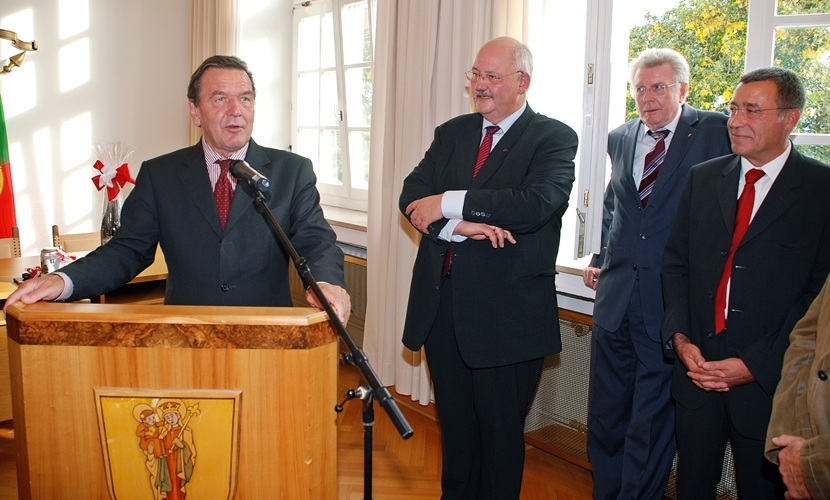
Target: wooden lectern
(279, 366)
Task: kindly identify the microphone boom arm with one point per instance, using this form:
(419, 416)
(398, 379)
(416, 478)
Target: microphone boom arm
(381, 393)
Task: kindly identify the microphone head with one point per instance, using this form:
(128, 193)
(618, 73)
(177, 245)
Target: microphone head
(244, 172)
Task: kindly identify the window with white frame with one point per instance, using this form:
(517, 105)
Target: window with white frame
(794, 34)
(786, 33)
(332, 95)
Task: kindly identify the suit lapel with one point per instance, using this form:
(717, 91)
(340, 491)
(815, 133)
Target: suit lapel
(467, 144)
(679, 146)
(726, 191)
(629, 145)
(782, 194)
(501, 149)
(243, 195)
(194, 177)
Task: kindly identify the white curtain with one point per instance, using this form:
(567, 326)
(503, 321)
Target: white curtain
(215, 32)
(422, 49)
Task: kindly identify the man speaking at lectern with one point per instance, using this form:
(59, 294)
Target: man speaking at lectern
(218, 249)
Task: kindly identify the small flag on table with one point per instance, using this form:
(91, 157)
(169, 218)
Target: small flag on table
(8, 217)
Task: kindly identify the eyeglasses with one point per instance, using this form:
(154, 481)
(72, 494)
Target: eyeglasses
(750, 113)
(656, 89)
(475, 75)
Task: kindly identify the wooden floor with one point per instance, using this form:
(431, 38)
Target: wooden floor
(402, 470)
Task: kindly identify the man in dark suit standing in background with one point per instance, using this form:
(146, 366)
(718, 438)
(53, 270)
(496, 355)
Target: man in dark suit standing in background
(748, 253)
(488, 197)
(631, 416)
(218, 249)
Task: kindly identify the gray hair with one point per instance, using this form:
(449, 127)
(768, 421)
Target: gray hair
(223, 62)
(790, 89)
(522, 58)
(650, 58)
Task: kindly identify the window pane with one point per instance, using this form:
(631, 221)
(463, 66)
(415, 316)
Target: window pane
(374, 25)
(327, 43)
(357, 47)
(308, 43)
(806, 51)
(329, 110)
(308, 95)
(821, 153)
(359, 159)
(793, 7)
(307, 144)
(558, 93)
(359, 96)
(330, 165)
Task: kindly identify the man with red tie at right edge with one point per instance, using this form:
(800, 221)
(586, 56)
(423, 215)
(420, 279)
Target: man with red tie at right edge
(748, 253)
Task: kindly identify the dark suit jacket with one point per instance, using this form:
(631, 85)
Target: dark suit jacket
(779, 268)
(504, 299)
(173, 205)
(633, 238)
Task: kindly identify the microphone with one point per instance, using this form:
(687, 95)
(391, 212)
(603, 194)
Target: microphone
(244, 172)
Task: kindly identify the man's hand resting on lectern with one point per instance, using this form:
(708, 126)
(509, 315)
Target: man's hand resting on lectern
(48, 287)
(337, 297)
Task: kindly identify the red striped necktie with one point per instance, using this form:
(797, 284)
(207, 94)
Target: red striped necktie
(222, 192)
(483, 153)
(742, 216)
(651, 166)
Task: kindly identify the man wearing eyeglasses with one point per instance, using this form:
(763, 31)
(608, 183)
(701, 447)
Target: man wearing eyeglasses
(748, 253)
(488, 198)
(631, 415)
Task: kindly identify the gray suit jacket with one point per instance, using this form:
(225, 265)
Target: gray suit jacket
(779, 268)
(633, 237)
(504, 299)
(244, 264)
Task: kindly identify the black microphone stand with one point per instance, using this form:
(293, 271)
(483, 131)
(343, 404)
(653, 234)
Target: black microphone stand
(376, 390)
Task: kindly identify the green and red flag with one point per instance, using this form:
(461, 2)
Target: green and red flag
(8, 217)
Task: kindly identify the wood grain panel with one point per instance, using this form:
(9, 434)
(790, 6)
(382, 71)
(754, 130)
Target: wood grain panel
(287, 430)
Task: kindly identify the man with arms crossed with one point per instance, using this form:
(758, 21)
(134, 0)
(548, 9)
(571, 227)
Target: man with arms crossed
(630, 415)
(494, 183)
(748, 253)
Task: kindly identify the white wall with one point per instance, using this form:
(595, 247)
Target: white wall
(131, 68)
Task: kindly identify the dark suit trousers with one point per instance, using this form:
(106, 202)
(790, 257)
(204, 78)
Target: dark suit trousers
(630, 412)
(701, 442)
(482, 413)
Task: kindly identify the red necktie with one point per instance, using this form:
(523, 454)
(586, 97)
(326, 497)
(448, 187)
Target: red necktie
(222, 192)
(651, 166)
(483, 153)
(742, 217)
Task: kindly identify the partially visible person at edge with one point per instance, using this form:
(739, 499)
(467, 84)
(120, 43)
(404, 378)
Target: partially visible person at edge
(748, 253)
(483, 299)
(798, 437)
(630, 414)
(210, 261)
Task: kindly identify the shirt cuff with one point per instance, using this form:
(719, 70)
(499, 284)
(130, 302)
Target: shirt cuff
(452, 204)
(446, 233)
(68, 286)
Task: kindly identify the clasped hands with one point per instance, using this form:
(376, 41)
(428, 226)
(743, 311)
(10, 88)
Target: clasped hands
(716, 376)
(425, 211)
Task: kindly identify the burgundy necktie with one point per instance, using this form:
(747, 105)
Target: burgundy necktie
(222, 192)
(742, 217)
(483, 153)
(651, 166)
